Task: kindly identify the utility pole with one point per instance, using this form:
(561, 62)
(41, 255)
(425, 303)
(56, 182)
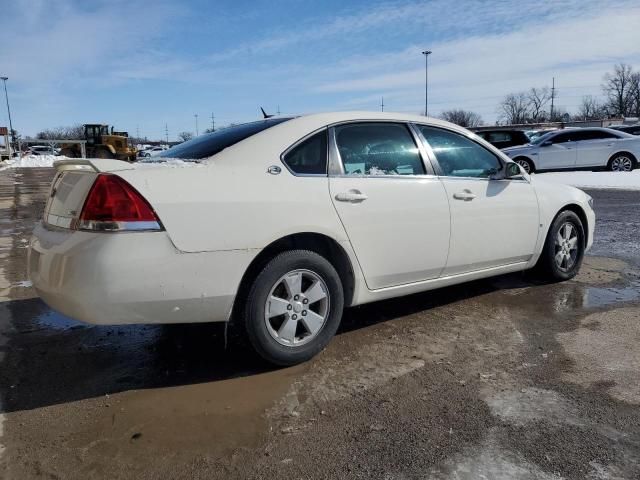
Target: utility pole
(166, 132)
(382, 105)
(137, 131)
(6, 96)
(196, 115)
(553, 95)
(213, 122)
(426, 54)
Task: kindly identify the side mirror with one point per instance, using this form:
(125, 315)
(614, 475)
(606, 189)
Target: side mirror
(511, 170)
(546, 144)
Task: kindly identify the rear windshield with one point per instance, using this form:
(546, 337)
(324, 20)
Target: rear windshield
(209, 144)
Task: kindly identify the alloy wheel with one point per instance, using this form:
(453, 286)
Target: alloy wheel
(566, 246)
(297, 308)
(525, 165)
(621, 163)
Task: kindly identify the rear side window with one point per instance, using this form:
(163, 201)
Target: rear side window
(309, 157)
(208, 145)
(378, 149)
(458, 156)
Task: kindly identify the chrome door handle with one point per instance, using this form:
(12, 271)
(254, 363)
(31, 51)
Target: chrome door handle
(353, 196)
(465, 195)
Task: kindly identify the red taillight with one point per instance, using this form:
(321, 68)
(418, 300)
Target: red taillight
(113, 204)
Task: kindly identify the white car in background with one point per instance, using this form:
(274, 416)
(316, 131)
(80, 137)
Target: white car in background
(279, 224)
(578, 148)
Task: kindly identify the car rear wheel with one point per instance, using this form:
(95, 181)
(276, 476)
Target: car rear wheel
(294, 307)
(526, 164)
(563, 250)
(621, 162)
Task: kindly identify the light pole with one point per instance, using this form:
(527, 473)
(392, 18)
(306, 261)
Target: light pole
(196, 115)
(426, 54)
(6, 96)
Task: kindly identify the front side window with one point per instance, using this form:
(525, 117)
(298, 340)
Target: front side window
(563, 138)
(310, 156)
(459, 156)
(378, 149)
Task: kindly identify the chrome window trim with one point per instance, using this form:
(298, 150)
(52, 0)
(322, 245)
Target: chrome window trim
(336, 167)
(298, 142)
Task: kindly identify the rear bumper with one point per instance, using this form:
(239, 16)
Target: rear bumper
(123, 278)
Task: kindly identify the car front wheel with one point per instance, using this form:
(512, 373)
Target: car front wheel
(563, 250)
(294, 307)
(526, 164)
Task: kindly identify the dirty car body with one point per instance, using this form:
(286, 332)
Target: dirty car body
(283, 222)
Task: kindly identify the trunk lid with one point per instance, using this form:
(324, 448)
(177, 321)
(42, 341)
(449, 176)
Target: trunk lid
(71, 185)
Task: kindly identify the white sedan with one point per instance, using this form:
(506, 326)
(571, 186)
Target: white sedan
(579, 148)
(279, 224)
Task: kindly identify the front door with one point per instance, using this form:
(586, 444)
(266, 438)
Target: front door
(395, 214)
(493, 222)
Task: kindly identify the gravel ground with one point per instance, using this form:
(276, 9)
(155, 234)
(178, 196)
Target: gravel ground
(506, 378)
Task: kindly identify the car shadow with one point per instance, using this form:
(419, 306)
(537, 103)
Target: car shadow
(50, 359)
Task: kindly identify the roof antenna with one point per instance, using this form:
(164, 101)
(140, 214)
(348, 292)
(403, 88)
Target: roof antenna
(265, 115)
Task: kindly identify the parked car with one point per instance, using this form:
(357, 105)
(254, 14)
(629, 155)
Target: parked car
(504, 138)
(42, 150)
(279, 224)
(579, 148)
(151, 152)
(533, 134)
(631, 129)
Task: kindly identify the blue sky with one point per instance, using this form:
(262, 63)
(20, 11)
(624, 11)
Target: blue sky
(141, 64)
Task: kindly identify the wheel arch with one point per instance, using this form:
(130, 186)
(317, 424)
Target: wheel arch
(578, 210)
(319, 243)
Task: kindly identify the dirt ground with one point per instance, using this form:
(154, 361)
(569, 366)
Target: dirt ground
(506, 378)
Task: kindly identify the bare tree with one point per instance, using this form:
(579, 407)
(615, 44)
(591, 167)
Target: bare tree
(514, 109)
(538, 100)
(73, 132)
(590, 109)
(635, 94)
(464, 118)
(618, 87)
(185, 136)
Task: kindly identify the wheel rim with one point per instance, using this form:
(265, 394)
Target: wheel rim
(566, 246)
(525, 165)
(621, 164)
(297, 308)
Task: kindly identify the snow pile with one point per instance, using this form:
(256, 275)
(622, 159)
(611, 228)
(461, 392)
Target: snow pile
(596, 180)
(30, 161)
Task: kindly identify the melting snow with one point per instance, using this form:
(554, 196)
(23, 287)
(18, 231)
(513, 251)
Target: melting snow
(30, 161)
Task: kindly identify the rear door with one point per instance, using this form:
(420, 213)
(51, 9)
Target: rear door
(561, 153)
(394, 209)
(594, 147)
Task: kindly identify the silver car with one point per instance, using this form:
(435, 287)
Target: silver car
(579, 148)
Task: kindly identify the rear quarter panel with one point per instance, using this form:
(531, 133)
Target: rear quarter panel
(232, 202)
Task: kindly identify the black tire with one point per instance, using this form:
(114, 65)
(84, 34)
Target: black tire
(526, 164)
(622, 162)
(255, 324)
(548, 264)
